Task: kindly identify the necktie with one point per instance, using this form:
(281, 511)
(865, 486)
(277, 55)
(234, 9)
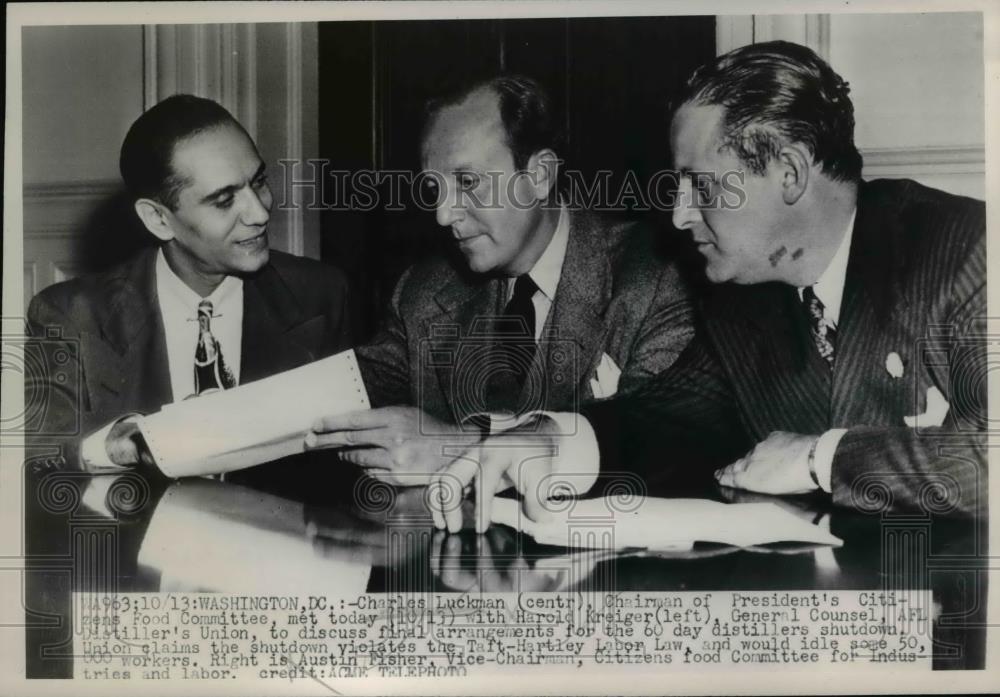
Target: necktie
(823, 333)
(515, 336)
(210, 370)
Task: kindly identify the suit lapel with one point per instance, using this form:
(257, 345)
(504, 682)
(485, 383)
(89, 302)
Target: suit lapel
(276, 334)
(460, 344)
(789, 386)
(574, 330)
(870, 316)
(127, 365)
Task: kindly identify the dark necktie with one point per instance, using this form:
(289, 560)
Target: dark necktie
(210, 370)
(515, 337)
(823, 334)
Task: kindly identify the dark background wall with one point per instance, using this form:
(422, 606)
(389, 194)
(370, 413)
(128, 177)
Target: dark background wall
(611, 77)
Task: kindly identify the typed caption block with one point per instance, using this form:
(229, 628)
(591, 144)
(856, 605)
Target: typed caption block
(219, 637)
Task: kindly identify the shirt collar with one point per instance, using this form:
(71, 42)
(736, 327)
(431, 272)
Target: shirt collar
(547, 270)
(830, 286)
(169, 282)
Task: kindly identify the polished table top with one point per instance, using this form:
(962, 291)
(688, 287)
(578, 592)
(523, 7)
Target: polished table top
(346, 535)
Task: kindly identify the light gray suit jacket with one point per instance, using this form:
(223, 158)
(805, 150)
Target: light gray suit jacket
(617, 295)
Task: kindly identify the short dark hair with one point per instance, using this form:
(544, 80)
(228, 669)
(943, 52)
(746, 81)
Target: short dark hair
(147, 151)
(526, 109)
(775, 93)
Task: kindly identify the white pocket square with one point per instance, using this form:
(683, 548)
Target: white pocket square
(605, 383)
(937, 409)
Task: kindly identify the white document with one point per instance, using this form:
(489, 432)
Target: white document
(252, 423)
(660, 524)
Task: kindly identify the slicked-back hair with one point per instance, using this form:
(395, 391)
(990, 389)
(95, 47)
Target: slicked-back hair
(526, 110)
(147, 151)
(774, 94)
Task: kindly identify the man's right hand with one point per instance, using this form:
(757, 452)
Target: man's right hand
(517, 458)
(125, 446)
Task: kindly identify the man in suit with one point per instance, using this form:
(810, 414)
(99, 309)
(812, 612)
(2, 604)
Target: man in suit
(843, 350)
(139, 334)
(549, 307)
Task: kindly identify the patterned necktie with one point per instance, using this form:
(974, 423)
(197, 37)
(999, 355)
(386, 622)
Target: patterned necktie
(210, 370)
(515, 334)
(823, 333)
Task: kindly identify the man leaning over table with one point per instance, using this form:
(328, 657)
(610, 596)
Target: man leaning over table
(546, 306)
(844, 347)
(209, 307)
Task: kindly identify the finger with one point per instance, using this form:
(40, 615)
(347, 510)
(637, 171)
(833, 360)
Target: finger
(452, 573)
(437, 544)
(369, 458)
(352, 421)
(726, 476)
(489, 575)
(315, 440)
(491, 468)
(434, 501)
(122, 451)
(455, 478)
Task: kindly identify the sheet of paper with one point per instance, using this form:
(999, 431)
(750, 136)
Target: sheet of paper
(663, 524)
(209, 536)
(253, 423)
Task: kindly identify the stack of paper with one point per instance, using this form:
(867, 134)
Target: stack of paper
(663, 524)
(253, 423)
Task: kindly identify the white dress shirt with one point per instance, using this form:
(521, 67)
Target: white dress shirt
(829, 289)
(179, 309)
(546, 273)
(578, 451)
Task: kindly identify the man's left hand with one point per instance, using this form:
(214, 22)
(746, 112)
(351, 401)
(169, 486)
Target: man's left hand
(402, 445)
(779, 464)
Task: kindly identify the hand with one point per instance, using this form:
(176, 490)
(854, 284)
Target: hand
(125, 446)
(779, 464)
(479, 571)
(403, 446)
(522, 459)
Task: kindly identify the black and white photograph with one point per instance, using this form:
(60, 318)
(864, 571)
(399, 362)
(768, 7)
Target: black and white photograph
(498, 348)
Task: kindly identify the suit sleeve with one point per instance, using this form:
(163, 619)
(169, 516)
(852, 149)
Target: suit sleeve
(341, 320)
(665, 331)
(675, 429)
(933, 469)
(57, 405)
(385, 360)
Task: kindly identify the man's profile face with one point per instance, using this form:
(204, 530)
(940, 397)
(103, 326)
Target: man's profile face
(220, 220)
(738, 244)
(492, 210)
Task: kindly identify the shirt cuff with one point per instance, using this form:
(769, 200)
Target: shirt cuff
(94, 452)
(826, 448)
(492, 424)
(577, 460)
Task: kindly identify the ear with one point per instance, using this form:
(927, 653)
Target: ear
(544, 164)
(154, 216)
(793, 165)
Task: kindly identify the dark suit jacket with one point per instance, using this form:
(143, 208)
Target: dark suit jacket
(915, 286)
(98, 341)
(616, 295)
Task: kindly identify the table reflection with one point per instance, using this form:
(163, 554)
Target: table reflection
(134, 533)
